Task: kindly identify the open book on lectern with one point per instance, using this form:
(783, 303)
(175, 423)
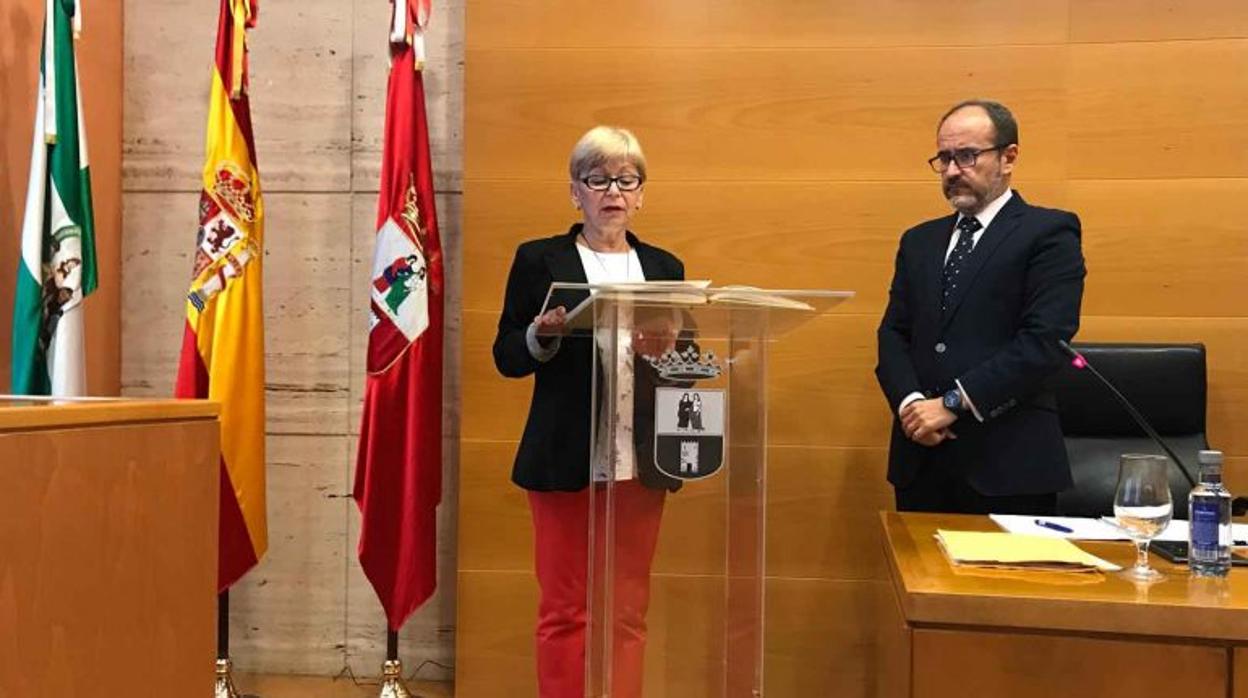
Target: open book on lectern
(723, 310)
(576, 298)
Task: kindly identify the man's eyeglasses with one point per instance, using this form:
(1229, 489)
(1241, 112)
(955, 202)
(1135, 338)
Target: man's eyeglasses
(625, 182)
(962, 157)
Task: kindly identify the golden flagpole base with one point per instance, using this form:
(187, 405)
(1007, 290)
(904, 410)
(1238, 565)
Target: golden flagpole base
(392, 680)
(225, 683)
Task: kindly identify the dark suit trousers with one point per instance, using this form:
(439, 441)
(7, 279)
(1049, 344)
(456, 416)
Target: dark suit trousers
(938, 487)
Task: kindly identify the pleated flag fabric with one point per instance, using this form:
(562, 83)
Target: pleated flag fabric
(58, 268)
(398, 476)
(223, 343)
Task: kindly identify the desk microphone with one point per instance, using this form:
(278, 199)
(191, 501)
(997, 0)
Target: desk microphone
(1239, 506)
(1078, 361)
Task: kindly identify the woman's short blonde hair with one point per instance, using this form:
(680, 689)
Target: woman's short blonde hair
(602, 144)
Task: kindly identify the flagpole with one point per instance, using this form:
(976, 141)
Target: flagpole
(225, 682)
(392, 685)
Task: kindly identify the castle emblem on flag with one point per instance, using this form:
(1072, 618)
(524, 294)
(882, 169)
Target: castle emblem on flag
(222, 248)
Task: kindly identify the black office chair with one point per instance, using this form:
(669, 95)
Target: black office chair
(1166, 383)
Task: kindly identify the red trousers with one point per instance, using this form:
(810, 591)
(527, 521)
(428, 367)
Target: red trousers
(561, 532)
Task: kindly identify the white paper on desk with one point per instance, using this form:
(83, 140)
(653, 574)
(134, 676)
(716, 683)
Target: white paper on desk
(1081, 528)
(1178, 531)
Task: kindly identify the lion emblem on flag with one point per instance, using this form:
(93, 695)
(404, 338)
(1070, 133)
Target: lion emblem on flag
(223, 248)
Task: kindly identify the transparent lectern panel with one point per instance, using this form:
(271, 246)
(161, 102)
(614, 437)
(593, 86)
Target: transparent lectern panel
(717, 313)
(676, 505)
(676, 561)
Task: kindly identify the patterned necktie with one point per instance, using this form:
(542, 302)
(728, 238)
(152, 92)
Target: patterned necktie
(957, 259)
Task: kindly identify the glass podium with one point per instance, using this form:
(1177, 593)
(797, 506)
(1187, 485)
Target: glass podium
(677, 495)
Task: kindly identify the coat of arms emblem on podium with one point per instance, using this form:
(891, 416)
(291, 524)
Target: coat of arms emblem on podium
(688, 421)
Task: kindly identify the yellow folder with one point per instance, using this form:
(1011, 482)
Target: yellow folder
(1013, 550)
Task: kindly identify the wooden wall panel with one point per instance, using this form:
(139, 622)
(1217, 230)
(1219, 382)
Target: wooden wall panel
(823, 509)
(494, 639)
(786, 149)
(101, 81)
(1199, 273)
(841, 622)
(725, 231)
(854, 249)
(1153, 20)
(1235, 473)
(498, 404)
(822, 514)
(833, 638)
(757, 115)
(822, 387)
(757, 23)
(808, 379)
(1132, 114)
(495, 529)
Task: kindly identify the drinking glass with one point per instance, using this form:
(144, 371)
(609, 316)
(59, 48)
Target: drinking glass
(1143, 506)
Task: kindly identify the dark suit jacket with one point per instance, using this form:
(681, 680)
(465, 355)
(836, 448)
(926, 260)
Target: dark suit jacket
(1020, 294)
(554, 450)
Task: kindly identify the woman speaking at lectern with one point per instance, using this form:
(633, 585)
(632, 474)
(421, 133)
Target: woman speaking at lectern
(608, 176)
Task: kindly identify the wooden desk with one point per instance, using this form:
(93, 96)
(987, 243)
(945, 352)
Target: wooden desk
(969, 632)
(108, 548)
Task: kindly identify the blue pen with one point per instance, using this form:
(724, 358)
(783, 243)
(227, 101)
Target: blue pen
(1054, 526)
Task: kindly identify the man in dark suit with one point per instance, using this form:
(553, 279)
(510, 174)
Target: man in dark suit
(978, 302)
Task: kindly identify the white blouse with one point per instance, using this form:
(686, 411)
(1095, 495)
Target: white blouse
(611, 268)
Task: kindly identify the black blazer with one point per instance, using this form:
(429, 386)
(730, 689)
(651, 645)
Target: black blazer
(554, 450)
(1020, 294)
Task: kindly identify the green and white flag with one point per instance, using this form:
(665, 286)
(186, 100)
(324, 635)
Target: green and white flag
(58, 233)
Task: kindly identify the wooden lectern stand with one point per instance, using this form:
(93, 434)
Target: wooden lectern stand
(108, 547)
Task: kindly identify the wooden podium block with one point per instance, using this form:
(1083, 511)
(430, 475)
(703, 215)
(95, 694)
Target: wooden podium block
(976, 632)
(108, 548)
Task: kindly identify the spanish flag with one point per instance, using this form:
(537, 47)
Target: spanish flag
(223, 345)
(398, 472)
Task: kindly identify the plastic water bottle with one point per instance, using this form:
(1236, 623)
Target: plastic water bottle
(1209, 517)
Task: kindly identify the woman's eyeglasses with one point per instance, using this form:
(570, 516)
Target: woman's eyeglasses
(625, 182)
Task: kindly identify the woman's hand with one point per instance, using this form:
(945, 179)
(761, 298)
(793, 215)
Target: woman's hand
(655, 336)
(550, 323)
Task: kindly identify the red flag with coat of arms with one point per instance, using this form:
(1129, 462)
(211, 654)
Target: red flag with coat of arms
(398, 475)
